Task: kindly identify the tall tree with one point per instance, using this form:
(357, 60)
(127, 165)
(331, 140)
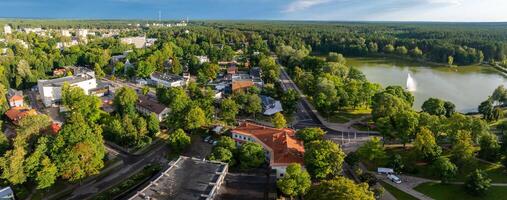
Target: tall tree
(310, 134)
(125, 101)
(444, 168)
(426, 145)
(372, 150)
(195, 118)
(229, 110)
(295, 182)
(323, 159)
(279, 120)
(340, 188)
(251, 155)
(178, 140)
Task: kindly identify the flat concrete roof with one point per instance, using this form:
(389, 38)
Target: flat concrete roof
(186, 179)
(68, 79)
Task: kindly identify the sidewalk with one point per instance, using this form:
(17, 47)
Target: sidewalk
(408, 183)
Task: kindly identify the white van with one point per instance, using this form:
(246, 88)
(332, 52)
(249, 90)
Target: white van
(394, 178)
(382, 170)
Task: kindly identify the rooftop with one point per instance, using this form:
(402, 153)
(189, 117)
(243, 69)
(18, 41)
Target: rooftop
(68, 79)
(150, 104)
(186, 179)
(167, 77)
(237, 85)
(17, 113)
(284, 145)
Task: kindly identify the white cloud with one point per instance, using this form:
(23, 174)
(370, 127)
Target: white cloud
(298, 5)
(448, 2)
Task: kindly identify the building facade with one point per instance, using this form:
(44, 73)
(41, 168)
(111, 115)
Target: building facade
(50, 91)
(281, 145)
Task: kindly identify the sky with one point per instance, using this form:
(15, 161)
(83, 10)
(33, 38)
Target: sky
(329, 10)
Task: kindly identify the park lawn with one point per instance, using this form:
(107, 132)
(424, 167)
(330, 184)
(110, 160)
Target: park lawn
(496, 172)
(348, 114)
(400, 195)
(449, 191)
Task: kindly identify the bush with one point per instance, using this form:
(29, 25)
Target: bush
(477, 183)
(368, 178)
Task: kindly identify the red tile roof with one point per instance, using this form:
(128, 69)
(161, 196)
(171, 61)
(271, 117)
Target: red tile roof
(285, 148)
(17, 113)
(55, 128)
(237, 85)
(16, 98)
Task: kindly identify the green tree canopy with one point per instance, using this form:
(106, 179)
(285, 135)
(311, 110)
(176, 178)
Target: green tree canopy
(426, 145)
(295, 182)
(477, 183)
(372, 150)
(251, 155)
(279, 121)
(125, 101)
(323, 159)
(310, 134)
(444, 168)
(340, 188)
(178, 140)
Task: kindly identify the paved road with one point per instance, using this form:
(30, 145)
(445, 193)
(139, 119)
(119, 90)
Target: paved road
(129, 165)
(307, 116)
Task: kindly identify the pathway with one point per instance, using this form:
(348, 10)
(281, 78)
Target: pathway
(287, 83)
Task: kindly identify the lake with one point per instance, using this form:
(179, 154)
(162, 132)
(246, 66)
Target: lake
(466, 86)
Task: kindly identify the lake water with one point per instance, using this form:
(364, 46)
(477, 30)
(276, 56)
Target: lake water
(466, 86)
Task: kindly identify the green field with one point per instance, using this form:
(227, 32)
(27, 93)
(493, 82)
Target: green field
(442, 192)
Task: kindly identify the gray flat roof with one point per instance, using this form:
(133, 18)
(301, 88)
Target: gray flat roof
(186, 179)
(68, 79)
(167, 77)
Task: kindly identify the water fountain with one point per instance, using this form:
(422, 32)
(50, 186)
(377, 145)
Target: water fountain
(411, 84)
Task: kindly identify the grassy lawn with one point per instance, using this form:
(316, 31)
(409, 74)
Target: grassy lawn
(347, 115)
(400, 195)
(496, 172)
(442, 191)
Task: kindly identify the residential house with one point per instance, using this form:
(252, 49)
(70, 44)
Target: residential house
(270, 106)
(241, 85)
(17, 113)
(281, 145)
(15, 98)
(7, 29)
(167, 80)
(51, 90)
(202, 59)
(147, 105)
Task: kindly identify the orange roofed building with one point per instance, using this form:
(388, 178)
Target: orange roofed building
(241, 85)
(17, 113)
(281, 145)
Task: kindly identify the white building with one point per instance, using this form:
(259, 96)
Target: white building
(203, 59)
(66, 33)
(82, 33)
(7, 29)
(138, 42)
(167, 80)
(51, 90)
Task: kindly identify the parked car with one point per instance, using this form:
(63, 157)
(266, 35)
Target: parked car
(215, 143)
(207, 139)
(394, 178)
(211, 141)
